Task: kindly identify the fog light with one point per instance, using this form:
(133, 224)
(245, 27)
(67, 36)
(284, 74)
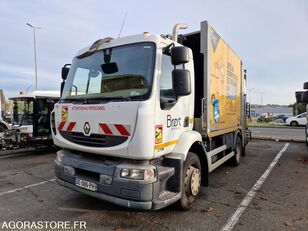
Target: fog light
(69, 170)
(105, 179)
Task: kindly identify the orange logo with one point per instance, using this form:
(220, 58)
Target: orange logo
(64, 114)
(158, 134)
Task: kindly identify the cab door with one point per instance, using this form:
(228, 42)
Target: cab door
(173, 114)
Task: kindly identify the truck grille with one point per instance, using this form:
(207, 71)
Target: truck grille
(94, 140)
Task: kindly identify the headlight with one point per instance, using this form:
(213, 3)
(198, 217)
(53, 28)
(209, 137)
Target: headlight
(138, 174)
(60, 156)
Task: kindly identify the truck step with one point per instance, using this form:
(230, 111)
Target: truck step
(166, 195)
(166, 198)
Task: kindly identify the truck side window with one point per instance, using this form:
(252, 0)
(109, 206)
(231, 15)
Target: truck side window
(166, 88)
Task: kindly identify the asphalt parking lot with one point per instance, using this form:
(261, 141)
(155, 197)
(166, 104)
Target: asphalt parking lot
(28, 192)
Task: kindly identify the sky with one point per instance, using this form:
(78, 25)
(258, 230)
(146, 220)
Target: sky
(270, 36)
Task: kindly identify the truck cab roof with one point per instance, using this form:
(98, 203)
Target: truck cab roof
(145, 37)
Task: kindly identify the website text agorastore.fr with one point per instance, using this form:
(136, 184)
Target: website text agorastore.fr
(43, 225)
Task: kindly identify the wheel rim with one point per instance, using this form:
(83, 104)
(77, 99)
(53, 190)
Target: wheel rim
(192, 181)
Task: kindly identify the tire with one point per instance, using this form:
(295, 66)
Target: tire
(294, 123)
(235, 160)
(191, 181)
(243, 151)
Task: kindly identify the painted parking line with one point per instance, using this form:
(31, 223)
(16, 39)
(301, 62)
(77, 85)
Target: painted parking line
(250, 195)
(26, 187)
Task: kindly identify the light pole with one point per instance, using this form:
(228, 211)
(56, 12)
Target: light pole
(34, 40)
(249, 92)
(262, 93)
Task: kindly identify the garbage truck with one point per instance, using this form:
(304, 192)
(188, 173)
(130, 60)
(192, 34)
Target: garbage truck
(144, 119)
(30, 125)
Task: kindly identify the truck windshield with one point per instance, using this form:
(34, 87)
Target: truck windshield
(118, 72)
(23, 111)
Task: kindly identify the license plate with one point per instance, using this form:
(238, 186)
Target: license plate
(85, 184)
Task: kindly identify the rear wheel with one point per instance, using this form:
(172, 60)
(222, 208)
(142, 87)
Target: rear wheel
(235, 160)
(191, 181)
(294, 123)
(243, 151)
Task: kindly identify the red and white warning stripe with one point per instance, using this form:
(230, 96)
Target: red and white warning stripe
(66, 126)
(115, 129)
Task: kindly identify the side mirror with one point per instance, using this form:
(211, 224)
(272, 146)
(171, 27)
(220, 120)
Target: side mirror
(62, 87)
(181, 82)
(305, 97)
(65, 70)
(179, 55)
(298, 96)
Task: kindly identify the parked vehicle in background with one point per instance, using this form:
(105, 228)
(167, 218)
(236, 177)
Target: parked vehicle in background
(266, 117)
(280, 118)
(4, 125)
(30, 120)
(299, 120)
(144, 119)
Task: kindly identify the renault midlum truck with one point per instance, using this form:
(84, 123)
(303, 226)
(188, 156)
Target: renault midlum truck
(144, 119)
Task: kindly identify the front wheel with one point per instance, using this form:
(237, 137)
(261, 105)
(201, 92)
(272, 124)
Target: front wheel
(294, 123)
(191, 181)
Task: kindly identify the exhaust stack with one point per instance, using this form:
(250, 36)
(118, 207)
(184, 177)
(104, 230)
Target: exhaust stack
(176, 29)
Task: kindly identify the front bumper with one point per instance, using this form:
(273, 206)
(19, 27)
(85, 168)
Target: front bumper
(144, 205)
(137, 194)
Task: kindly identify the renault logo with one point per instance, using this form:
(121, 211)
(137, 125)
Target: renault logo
(86, 128)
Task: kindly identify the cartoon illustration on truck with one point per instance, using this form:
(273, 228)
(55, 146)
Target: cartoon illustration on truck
(216, 109)
(139, 129)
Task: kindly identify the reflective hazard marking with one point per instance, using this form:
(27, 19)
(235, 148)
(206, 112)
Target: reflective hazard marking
(105, 129)
(61, 125)
(71, 126)
(123, 131)
(66, 126)
(115, 129)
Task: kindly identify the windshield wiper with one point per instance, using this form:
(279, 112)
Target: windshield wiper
(124, 98)
(97, 99)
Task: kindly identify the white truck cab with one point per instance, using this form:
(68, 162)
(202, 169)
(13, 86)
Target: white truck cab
(131, 130)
